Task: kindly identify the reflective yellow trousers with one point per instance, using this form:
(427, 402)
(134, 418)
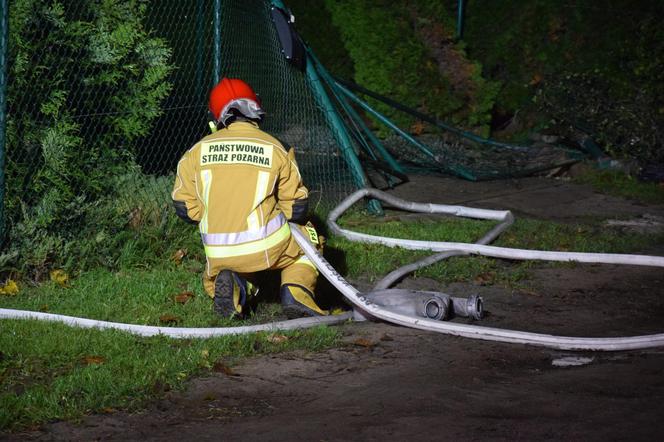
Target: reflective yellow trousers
(295, 267)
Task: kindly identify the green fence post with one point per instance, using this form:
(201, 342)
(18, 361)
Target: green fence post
(389, 159)
(460, 13)
(4, 61)
(200, 29)
(340, 133)
(216, 23)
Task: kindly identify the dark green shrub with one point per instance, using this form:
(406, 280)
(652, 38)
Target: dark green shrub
(314, 24)
(86, 81)
(626, 126)
(397, 50)
(595, 65)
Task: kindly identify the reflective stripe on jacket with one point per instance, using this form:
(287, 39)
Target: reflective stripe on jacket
(241, 186)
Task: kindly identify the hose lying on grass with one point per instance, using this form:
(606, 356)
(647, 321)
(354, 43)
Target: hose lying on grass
(367, 304)
(448, 249)
(176, 332)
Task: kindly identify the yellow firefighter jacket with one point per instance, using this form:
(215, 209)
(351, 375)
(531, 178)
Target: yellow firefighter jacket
(241, 186)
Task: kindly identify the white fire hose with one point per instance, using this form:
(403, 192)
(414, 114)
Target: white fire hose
(368, 306)
(175, 332)
(367, 303)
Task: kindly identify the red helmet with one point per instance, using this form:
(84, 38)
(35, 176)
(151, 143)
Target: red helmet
(233, 93)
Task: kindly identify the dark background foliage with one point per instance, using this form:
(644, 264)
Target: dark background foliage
(564, 67)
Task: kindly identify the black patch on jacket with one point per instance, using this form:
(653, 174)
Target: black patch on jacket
(300, 208)
(181, 212)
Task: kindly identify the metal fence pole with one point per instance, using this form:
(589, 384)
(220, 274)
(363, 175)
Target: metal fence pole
(387, 157)
(460, 13)
(339, 131)
(216, 23)
(4, 61)
(200, 29)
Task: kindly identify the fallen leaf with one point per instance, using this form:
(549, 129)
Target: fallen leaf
(93, 360)
(160, 387)
(43, 308)
(417, 128)
(220, 367)
(135, 218)
(485, 278)
(60, 277)
(364, 343)
(276, 339)
(9, 288)
(183, 297)
(386, 338)
(537, 79)
(108, 410)
(178, 256)
(169, 319)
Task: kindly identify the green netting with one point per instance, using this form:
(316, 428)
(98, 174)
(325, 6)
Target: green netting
(101, 90)
(251, 50)
(104, 96)
(426, 144)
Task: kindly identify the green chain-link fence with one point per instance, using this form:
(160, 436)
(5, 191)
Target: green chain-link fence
(104, 97)
(250, 49)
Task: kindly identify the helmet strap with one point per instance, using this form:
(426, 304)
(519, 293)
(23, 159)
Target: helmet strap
(212, 122)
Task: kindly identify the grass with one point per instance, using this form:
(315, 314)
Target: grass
(135, 296)
(620, 184)
(375, 261)
(49, 371)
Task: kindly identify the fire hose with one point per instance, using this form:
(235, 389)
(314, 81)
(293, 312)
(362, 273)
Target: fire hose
(367, 305)
(416, 309)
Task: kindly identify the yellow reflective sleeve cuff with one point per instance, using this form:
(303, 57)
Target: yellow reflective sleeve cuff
(249, 248)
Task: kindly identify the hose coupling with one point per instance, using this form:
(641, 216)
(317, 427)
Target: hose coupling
(471, 307)
(435, 307)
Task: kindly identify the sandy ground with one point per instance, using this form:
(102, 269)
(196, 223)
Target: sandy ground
(393, 383)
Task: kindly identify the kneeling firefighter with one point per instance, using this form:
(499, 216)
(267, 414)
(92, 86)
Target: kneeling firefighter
(242, 186)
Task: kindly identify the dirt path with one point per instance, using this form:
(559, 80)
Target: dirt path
(393, 383)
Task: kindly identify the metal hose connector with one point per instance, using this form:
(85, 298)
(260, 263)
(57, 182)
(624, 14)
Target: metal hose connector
(471, 307)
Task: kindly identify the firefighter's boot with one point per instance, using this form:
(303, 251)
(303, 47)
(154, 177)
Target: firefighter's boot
(297, 302)
(231, 294)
